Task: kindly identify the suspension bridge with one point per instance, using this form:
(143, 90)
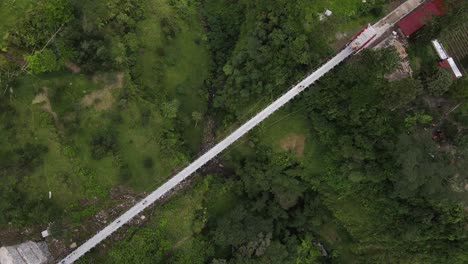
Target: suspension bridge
(368, 35)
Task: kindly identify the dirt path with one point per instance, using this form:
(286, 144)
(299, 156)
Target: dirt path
(180, 242)
(43, 98)
(72, 67)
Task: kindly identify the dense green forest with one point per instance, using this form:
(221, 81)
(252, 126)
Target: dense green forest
(105, 99)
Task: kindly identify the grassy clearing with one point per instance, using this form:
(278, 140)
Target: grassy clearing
(58, 171)
(339, 8)
(138, 143)
(183, 60)
(185, 82)
(281, 125)
(285, 129)
(287, 124)
(344, 19)
(166, 69)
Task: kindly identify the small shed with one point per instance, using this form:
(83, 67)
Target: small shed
(45, 233)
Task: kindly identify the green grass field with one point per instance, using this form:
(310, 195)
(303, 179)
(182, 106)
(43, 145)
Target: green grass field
(340, 8)
(281, 125)
(68, 169)
(58, 173)
(10, 12)
(345, 18)
(183, 61)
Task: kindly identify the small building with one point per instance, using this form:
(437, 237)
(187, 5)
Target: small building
(325, 14)
(420, 16)
(45, 233)
(445, 60)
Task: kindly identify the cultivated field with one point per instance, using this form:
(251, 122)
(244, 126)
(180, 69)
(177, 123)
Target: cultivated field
(455, 42)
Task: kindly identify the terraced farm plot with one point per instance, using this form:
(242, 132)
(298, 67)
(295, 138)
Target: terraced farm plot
(456, 43)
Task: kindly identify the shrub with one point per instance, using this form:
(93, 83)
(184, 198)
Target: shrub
(103, 143)
(148, 163)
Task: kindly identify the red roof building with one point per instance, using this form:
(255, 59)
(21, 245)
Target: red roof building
(444, 64)
(419, 17)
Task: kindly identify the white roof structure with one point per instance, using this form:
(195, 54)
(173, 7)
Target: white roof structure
(439, 49)
(363, 38)
(454, 67)
(45, 233)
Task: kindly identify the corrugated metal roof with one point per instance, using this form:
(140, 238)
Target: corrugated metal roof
(419, 17)
(444, 64)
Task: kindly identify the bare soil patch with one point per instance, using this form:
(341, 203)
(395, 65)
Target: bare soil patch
(10, 236)
(72, 67)
(103, 99)
(294, 142)
(43, 98)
